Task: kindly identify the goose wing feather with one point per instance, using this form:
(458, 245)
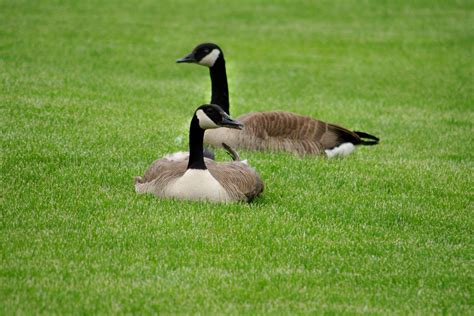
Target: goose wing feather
(278, 130)
(335, 135)
(159, 174)
(239, 180)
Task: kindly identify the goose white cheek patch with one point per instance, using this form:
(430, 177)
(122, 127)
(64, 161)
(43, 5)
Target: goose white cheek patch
(210, 58)
(204, 121)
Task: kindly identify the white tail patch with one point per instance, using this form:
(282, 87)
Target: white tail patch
(210, 59)
(340, 151)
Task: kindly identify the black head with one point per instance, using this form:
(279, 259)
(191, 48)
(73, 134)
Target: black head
(205, 54)
(212, 116)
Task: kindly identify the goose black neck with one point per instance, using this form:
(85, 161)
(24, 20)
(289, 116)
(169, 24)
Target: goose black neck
(220, 90)
(196, 136)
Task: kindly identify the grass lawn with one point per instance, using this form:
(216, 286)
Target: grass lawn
(90, 95)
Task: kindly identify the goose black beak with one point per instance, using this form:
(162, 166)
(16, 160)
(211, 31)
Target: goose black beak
(187, 59)
(230, 123)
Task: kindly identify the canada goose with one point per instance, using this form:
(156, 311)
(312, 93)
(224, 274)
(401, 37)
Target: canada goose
(275, 130)
(199, 178)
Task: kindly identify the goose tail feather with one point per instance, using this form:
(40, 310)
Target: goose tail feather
(373, 140)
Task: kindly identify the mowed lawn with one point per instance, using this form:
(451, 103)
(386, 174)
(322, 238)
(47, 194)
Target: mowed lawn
(90, 95)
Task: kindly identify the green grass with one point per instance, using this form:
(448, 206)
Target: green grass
(90, 96)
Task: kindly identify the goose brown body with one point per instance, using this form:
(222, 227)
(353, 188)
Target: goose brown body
(241, 182)
(282, 131)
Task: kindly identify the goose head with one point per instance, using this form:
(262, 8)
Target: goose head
(205, 54)
(211, 116)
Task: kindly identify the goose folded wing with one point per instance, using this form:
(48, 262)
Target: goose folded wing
(240, 181)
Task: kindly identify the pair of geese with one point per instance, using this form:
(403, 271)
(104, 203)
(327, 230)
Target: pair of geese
(196, 176)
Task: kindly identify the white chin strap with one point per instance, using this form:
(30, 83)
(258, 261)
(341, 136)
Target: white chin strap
(210, 58)
(204, 121)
